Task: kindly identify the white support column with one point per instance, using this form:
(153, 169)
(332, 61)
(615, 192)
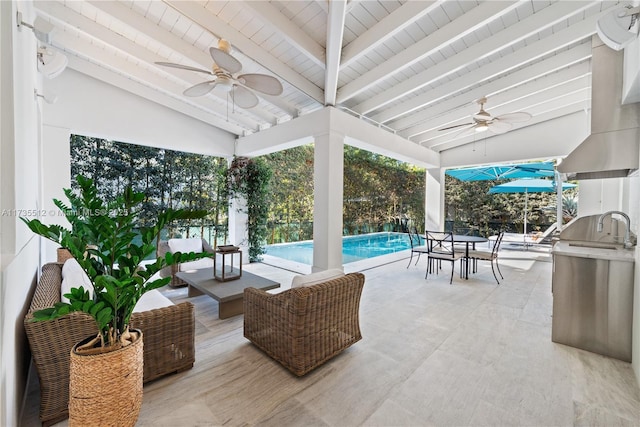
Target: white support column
(328, 180)
(238, 224)
(434, 200)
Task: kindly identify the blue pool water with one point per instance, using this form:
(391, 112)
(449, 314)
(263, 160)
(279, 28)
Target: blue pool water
(354, 248)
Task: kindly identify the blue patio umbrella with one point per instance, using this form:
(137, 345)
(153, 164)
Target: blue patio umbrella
(527, 186)
(508, 171)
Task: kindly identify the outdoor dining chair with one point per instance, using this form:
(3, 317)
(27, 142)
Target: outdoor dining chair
(492, 257)
(441, 248)
(417, 246)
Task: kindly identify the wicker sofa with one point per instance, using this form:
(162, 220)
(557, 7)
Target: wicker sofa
(164, 247)
(304, 327)
(169, 342)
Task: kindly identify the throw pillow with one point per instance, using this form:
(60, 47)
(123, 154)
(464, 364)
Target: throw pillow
(151, 300)
(185, 246)
(315, 278)
(73, 276)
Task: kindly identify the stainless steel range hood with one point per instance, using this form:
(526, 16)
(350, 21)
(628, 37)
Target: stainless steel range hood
(612, 149)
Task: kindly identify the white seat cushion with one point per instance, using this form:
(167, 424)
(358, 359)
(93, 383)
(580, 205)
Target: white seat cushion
(315, 278)
(185, 246)
(73, 276)
(151, 300)
(197, 265)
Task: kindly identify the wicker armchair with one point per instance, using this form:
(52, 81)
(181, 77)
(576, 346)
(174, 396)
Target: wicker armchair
(304, 327)
(163, 248)
(169, 344)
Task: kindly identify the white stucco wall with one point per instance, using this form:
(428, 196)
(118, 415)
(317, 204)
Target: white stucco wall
(20, 160)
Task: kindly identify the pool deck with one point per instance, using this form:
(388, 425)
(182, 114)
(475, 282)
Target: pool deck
(350, 267)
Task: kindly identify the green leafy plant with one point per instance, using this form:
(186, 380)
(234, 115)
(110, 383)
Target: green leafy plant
(103, 240)
(250, 179)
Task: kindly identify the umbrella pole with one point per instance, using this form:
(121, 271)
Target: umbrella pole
(526, 199)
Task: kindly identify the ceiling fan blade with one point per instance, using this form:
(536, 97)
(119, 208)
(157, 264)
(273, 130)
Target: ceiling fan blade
(224, 60)
(262, 83)
(467, 132)
(498, 126)
(514, 117)
(184, 67)
(456, 126)
(243, 97)
(200, 89)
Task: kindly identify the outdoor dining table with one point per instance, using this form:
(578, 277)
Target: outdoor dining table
(468, 241)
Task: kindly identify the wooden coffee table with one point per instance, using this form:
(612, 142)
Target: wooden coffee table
(228, 294)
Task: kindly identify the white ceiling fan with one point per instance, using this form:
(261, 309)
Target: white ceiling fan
(224, 71)
(483, 121)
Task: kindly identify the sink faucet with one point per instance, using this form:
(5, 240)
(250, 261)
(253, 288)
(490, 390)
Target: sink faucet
(627, 237)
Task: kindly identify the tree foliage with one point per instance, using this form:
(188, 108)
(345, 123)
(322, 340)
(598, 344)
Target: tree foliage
(470, 209)
(168, 179)
(378, 192)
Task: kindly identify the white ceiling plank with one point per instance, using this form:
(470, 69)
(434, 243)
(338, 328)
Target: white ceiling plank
(219, 28)
(324, 5)
(127, 46)
(392, 24)
(272, 17)
(488, 46)
(335, 30)
(521, 97)
(515, 60)
(434, 42)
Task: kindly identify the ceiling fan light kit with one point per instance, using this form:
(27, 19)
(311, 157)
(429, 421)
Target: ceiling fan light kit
(482, 121)
(225, 67)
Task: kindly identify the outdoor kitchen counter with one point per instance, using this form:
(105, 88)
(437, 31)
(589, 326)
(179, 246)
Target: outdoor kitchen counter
(608, 252)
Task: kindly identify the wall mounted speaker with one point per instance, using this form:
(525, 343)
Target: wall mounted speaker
(619, 27)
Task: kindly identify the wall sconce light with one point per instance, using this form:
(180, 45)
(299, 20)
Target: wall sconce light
(41, 28)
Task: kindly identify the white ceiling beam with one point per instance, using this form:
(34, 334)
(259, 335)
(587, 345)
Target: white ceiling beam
(136, 22)
(294, 35)
(491, 70)
(525, 28)
(536, 105)
(458, 28)
(216, 26)
(522, 98)
(386, 28)
(335, 33)
(415, 123)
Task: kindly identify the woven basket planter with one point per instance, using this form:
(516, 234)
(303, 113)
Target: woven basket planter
(106, 389)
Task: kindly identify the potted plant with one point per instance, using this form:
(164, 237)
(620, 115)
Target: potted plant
(105, 243)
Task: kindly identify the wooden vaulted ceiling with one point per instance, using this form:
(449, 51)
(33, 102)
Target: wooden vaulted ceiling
(410, 67)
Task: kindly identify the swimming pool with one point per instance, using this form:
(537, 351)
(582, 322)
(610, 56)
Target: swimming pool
(354, 248)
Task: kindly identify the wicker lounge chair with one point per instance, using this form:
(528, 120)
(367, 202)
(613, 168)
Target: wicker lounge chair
(304, 327)
(169, 344)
